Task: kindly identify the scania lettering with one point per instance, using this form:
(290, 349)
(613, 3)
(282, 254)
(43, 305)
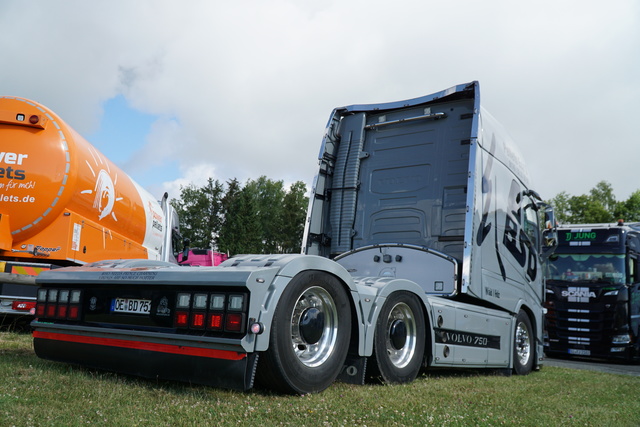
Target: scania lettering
(421, 250)
(578, 292)
(593, 296)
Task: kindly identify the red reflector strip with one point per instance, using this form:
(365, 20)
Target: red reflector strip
(139, 345)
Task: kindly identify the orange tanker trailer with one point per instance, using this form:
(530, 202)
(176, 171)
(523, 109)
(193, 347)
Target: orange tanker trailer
(63, 203)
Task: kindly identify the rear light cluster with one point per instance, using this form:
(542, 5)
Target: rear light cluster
(61, 304)
(211, 312)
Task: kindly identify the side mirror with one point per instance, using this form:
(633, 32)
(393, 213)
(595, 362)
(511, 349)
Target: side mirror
(185, 251)
(549, 231)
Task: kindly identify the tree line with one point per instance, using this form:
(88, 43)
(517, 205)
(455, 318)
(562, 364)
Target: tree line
(261, 216)
(598, 206)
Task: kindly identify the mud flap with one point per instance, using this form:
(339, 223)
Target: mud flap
(354, 370)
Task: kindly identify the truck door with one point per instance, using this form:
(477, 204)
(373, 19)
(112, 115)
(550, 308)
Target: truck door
(521, 239)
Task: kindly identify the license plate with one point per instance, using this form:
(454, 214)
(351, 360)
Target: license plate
(578, 352)
(130, 305)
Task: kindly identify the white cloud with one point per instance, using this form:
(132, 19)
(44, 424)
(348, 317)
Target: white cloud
(196, 175)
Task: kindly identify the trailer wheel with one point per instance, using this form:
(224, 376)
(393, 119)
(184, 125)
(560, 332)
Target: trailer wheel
(309, 337)
(523, 353)
(399, 340)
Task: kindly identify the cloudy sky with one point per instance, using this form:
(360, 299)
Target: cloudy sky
(175, 92)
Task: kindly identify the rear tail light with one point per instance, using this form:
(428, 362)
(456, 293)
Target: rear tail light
(215, 312)
(215, 321)
(62, 304)
(184, 301)
(62, 311)
(182, 319)
(200, 301)
(234, 322)
(51, 311)
(197, 320)
(74, 312)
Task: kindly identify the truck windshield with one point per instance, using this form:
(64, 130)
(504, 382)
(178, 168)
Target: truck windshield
(587, 267)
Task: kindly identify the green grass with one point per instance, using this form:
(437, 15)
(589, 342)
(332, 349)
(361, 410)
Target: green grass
(39, 393)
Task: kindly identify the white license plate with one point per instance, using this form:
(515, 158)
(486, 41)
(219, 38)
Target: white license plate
(578, 352)
(130, 305)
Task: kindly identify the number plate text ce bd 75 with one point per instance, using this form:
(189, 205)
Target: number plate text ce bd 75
(129, 305)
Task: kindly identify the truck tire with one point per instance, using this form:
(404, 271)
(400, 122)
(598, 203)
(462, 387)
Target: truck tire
(309, 337)
(523, 348)
(399, 339)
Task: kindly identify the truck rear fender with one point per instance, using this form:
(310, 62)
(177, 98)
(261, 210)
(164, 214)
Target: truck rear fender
(265, 300)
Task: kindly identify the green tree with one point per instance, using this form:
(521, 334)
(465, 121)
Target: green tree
(560, 205)
(603, 194)
(584, 209)
(629, 210)
(261, 217)
(294, 214)
(240, 232)
(200, 212)
(268, 196)
(599, 206)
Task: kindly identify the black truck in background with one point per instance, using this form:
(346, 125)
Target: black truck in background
(593, 292)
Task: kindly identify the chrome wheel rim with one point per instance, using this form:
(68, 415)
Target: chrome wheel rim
(314, 341)
(401, 335)
(523, 344)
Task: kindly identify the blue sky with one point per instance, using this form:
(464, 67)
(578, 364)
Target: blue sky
(212, 89)
(121, 129)
(120, 136)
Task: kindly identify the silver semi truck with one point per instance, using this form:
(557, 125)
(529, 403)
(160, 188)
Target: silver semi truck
(422, 249)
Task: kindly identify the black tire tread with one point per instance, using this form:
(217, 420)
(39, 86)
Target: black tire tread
(380, 368)
(278, 367)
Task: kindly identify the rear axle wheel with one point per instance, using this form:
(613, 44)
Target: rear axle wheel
(309, 337)
(399, 341)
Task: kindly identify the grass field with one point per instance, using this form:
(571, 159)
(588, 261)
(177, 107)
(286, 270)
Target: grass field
(35, 392)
